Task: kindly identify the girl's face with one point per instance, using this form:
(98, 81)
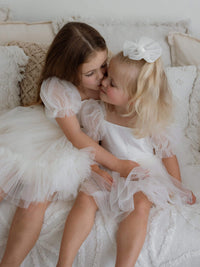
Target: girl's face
(93, 71)
(112, 91)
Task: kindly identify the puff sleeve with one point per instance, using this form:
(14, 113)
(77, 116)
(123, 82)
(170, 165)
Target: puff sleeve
(163, 144)
(61, 98)
(92, 119)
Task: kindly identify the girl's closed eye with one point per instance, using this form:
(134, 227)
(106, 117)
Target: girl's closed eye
(104, 65)
(112, 83)
(89, 74)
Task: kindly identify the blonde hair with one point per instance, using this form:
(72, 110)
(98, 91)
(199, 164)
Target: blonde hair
(150, 96)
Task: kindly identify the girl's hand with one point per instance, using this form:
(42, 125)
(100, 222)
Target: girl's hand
(105, 175)
(125, 166)
(193, 200)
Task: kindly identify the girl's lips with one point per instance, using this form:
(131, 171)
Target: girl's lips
(101, 90)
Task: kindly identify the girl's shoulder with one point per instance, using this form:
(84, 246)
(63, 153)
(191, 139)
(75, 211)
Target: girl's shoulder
(56, 85)
(164, 142)
(92, 118)
(93, 106)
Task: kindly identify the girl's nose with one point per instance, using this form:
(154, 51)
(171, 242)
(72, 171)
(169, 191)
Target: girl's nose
(105, 81)
(100, 75)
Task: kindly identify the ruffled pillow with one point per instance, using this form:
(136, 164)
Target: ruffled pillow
(12, 66)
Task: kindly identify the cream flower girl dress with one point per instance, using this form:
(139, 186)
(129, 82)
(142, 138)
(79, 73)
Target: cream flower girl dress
(37, 161)
(150, 177)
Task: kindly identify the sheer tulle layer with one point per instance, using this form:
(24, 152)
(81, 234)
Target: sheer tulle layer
(151, 178)
(37, 162)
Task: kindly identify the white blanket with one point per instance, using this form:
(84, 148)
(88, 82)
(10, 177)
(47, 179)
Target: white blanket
(173, 237)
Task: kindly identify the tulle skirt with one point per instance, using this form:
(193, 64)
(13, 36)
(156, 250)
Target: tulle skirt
(117, 201)
(37, 162)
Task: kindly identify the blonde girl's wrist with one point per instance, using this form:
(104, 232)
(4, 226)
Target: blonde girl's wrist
(116, 165)
(119, 166)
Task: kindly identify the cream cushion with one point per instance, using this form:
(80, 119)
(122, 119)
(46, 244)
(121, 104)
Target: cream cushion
(185, 49)
(37, 32)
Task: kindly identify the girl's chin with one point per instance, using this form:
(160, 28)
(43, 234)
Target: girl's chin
(101, 90)
(101, 94)
(103, 97)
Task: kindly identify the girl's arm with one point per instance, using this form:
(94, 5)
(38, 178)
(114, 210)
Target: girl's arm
(172, 166)
(71, 128)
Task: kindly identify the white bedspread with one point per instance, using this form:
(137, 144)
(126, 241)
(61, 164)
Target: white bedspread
(173, 237)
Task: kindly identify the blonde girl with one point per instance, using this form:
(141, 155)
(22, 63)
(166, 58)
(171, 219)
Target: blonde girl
(42, 154)
(132, 123)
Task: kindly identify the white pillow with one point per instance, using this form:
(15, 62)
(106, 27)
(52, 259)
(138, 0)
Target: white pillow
(12, 63)
(181, 80)
(116, 32)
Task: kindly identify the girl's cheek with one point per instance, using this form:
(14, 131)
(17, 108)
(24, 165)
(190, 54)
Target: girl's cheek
(111, 94)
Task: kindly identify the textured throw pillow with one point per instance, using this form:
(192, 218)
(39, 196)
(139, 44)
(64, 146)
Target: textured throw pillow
(185, 49)
(116, 32)
(181, 81)
(29, 85)
(12, 65)
(193, 129)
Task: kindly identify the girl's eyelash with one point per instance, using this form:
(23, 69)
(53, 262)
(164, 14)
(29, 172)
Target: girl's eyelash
(89, 74)
(104, 65)
(112, 84)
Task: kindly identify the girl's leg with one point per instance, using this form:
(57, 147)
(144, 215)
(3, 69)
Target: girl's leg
(24, 232)
(78, 225)
(1, 195)
(132, 231)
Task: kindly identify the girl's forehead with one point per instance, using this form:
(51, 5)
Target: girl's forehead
(121, 68)
(95, 61)
(116, 68)
(122, 73)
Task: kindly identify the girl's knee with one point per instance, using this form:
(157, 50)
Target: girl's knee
(32, 210)
(85, 200)
(142, 204)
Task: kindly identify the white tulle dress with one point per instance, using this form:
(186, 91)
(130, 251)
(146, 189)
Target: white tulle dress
(37, 162)
(151, 177)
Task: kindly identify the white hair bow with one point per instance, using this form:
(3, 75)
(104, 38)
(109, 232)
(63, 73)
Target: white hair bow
(145, 48)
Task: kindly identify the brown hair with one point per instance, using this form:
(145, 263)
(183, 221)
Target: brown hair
(71, 47)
